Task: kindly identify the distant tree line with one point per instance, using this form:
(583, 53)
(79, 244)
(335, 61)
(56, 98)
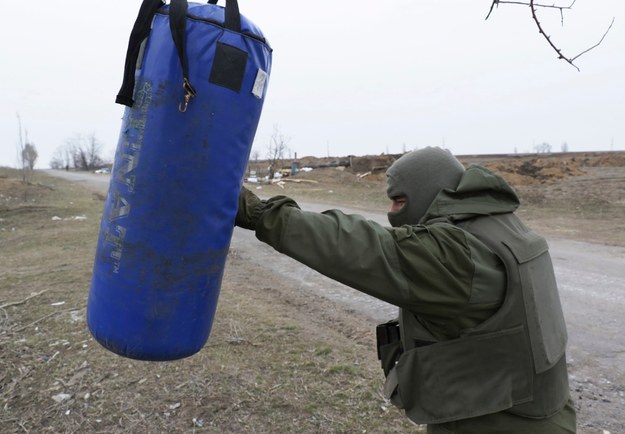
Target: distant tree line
(545, 148)
(78, 152)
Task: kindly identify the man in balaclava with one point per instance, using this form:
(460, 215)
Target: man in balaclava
(417, 177)
(479, 344)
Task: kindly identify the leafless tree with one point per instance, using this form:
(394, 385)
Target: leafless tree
(61, 158)
(276, 149)
(84, 152)
(23, 150)
(535, 6)
(29, 155)
(57, 161)
(565, 147)
(543, 148)
(255, 155)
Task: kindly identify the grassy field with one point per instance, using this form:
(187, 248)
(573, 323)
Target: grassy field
(277, 361)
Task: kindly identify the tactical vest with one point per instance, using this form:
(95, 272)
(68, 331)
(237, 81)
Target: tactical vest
(513, 361)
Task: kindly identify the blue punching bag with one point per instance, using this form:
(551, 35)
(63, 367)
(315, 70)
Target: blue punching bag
(194, 84)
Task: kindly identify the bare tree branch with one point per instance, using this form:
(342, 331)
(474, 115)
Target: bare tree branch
(534, 6)
(492, 6)
(525, 3)
(546, 36)
(598, 43)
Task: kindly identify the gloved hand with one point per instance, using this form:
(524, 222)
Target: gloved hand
(250, 209)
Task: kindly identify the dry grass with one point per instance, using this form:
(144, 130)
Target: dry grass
(277, 360)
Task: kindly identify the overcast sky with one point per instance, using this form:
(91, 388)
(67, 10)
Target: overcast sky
(349, 77)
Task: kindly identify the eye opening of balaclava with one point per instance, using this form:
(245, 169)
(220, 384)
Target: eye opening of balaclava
(419, 176)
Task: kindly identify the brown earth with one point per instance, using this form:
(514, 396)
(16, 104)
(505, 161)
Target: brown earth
(579, 196)
(279, 359)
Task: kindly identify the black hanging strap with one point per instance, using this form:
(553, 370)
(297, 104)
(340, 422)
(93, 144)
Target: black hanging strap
(140, 31)
(178, 26)
(232, 18)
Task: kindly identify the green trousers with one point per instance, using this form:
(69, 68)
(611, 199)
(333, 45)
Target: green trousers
(563, 422)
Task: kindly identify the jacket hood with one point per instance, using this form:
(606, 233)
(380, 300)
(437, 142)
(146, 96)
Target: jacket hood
(480, 192)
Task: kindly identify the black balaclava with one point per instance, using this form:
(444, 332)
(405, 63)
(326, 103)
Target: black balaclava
(419, 176)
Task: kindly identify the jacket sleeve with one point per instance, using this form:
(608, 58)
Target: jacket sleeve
(427, 270)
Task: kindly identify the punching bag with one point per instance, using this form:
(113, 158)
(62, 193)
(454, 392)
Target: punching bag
(194, 86)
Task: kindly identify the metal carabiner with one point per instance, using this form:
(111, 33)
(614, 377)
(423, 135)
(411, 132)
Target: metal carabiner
(189, 92)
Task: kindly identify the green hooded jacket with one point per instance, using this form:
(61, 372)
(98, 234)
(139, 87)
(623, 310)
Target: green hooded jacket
(436, 271)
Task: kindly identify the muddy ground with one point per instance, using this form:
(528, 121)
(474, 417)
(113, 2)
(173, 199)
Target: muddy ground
(279, 357)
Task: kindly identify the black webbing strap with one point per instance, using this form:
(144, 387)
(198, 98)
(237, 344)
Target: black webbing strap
(178, 26)
(140, 31)
(232, 17)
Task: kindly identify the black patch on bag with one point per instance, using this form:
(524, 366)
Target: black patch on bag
(228, 67)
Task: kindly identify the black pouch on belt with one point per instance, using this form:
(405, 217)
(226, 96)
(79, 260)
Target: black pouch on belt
(389, 344)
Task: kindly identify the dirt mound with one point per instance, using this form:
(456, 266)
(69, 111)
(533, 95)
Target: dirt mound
(517, 169)
(527, 170)
(611, 159)
(372, 163)
(535, 170)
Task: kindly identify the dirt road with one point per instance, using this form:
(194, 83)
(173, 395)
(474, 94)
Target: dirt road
(591, 278)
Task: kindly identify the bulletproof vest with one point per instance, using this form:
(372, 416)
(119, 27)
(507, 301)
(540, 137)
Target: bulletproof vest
(513, 361)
